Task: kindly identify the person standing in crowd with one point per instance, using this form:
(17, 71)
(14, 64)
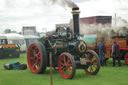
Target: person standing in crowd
(102, 51)
(115, 53)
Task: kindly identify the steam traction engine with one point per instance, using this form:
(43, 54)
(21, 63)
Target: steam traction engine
(68, 51)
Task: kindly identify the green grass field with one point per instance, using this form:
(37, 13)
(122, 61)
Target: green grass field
(107, 75)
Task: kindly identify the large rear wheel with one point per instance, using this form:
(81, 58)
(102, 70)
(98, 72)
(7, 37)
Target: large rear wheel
(37, 57)
(66, 65)
(94, 66)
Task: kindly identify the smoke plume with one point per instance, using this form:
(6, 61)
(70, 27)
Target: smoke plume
(105, 31)
(99, 29)
(63, 3)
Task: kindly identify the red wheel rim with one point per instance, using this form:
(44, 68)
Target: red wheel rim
(126, 58)
(65, 66)
(34, 58)
(93, 64)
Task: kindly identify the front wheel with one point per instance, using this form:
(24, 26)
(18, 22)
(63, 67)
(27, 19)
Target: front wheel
(94, 66)
(66, 65)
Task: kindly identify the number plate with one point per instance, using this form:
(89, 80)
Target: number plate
(83, 61)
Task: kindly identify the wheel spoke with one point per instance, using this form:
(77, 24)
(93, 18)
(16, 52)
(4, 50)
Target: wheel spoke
(70, 68)
(62, 64)
(94, 66)
(39, 62)
(68, 61)
(88, 55)
(63, 69)
(94, 58)
(66, 72)
(93, 61)
(64, 60)
(38, 65)
(89, 69)
(31, 58)
(33, 66)
(38, 54)
(92, 69)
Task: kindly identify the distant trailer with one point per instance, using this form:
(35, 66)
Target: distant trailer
(97, 20)
(29, 30)
(8, 50)
(30, 39)
(18, 39)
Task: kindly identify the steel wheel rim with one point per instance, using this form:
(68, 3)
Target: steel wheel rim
(94, 64)
(34, 58)
(126, 58)
(65, 66)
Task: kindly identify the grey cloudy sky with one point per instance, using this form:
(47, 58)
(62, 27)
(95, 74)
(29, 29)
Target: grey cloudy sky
(41, 13)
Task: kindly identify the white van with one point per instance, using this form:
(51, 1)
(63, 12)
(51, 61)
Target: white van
(14, 38)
